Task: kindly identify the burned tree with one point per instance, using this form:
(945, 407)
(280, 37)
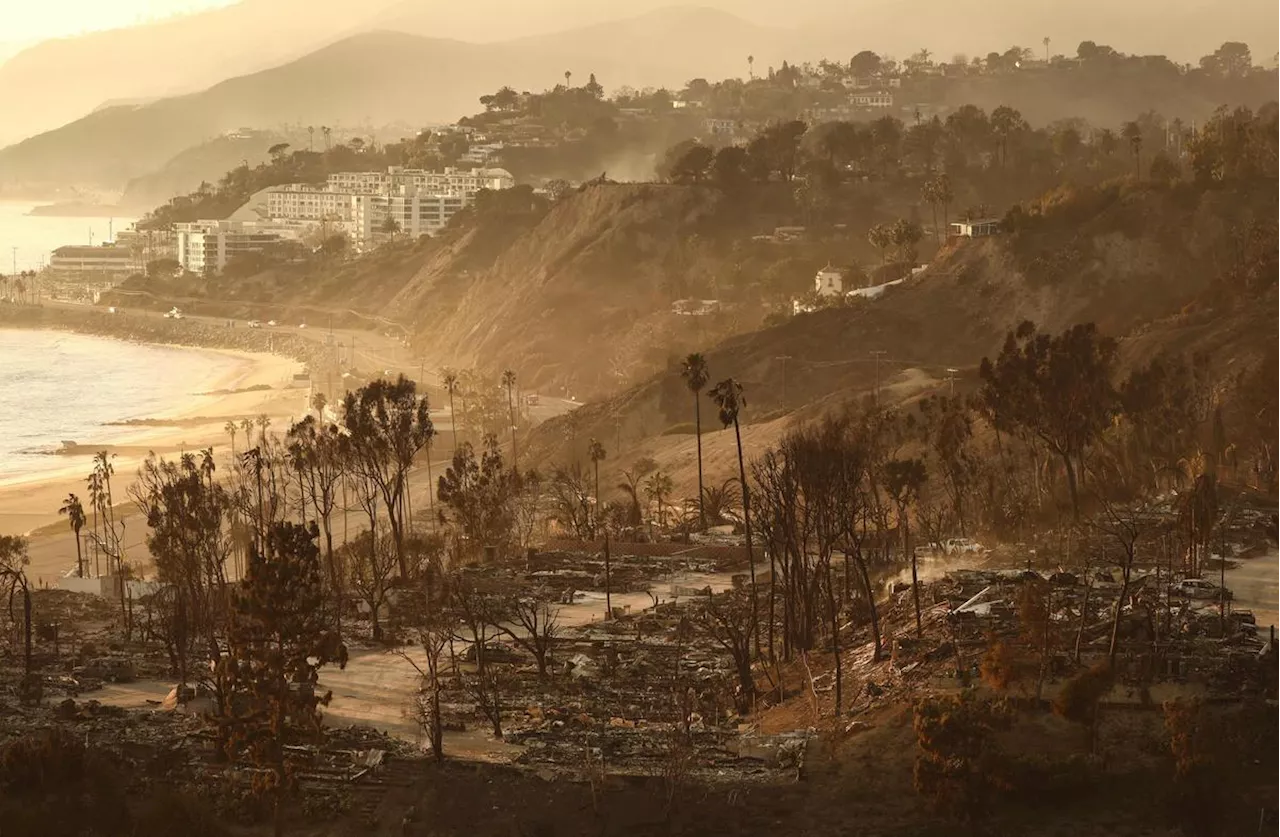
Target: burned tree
(278, 641)
(387, 425)
(532, 622)
(479, 495)
(728, 620)
(1058, 388)
(189, 539)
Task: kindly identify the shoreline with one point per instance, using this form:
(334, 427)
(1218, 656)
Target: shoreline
(253, 385)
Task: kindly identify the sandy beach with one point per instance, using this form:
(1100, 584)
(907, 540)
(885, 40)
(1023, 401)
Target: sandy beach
(253, 384)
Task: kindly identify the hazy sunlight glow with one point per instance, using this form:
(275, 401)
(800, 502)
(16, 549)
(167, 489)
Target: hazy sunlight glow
(62, 18)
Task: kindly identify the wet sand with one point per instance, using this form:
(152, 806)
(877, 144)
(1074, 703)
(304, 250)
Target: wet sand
(257, 384)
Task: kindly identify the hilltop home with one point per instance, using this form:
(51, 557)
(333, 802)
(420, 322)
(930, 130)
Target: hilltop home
(876, 99)
(976, 228)
(829, 281)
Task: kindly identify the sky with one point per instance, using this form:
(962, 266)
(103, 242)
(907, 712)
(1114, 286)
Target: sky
(36, 21)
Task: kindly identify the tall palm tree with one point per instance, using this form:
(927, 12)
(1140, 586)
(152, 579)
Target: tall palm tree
(930, 195)
(1133, 133)
(311, 137)
(1046, 49)
(695, 374)
(74, 511)
(246, 427)
(751, 66)
(568, 76)
(509, 381)
(945, 195)
(729, 398)
(450, 379)
(232, 428)
(597, 452)
(318, 403)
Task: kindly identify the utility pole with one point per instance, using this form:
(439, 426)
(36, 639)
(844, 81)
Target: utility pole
(784, 359)
(877, 354)
(951, 379)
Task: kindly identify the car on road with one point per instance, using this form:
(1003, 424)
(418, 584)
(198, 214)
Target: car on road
(962, 546)
(255, 324)
(271, 323)
(173, 314)
(302, 325)
(1199, 588)
(112, 310)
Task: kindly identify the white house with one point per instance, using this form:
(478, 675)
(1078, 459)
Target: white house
(829, 282)
(207, 246)
(874, 99)
(976, 228)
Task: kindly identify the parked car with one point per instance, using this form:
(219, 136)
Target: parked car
(962, 546)
(1199, 588)
(173, 314)
(112, 310)
(255, 324)
(302, 325)
(271, 323)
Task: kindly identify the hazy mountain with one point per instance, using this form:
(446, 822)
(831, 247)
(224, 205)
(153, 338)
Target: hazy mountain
(377, 78)
(56, 81)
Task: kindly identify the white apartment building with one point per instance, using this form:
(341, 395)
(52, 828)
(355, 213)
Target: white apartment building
(449, 181)
(415, 213)
(206, 246)
(302, 202)
(419, 201)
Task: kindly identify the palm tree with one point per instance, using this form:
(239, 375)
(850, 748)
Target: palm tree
(450, 379)
(658, 486)
(729, 398)
(751, 66)
(930, 195)
(1046, 49)
(328, 132)
(597, 452)
(1133, 133)
(311, 137)
(74, 511)
(246, 427)
(880, 238)
(568, 76)
(231, 427)
(718, 501)
(945, 195)
(509, 381)
(695, 374)
(318, 403)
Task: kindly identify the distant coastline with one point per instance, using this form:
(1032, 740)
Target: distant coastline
(80, 209)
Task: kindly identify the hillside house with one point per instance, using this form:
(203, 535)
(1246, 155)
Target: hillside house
(829, 282)
(873, 99)
(979, 228)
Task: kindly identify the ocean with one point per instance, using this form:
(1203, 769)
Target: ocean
(56, 387)
(27, 240)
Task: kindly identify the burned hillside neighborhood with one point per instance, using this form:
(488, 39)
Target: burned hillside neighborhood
(641, 421)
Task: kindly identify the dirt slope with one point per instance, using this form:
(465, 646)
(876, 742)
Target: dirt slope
(580, 299)
(1129, 259)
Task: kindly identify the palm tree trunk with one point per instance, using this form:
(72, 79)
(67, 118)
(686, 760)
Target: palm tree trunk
(453, 420)
(79, 556)
(746, 521)
(697, 427)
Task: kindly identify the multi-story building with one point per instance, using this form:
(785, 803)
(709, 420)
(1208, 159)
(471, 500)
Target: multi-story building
(206, 246)
(101, 261)
(361, 203)
(301, 202)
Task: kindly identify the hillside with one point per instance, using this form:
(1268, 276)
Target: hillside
(57, 81)
(1140, 262)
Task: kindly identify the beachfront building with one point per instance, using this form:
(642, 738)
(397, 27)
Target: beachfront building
(104, 261)
(362, 203)
(206, 246)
